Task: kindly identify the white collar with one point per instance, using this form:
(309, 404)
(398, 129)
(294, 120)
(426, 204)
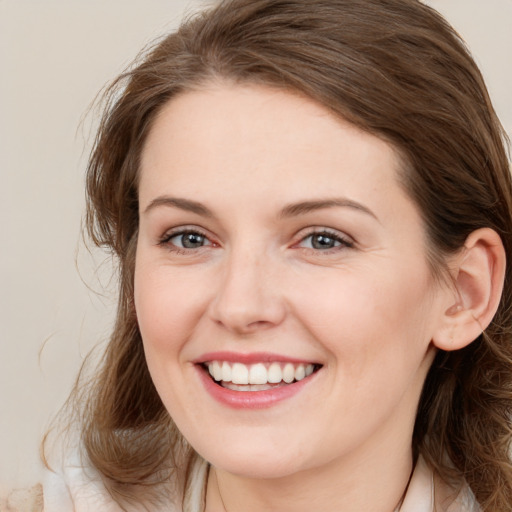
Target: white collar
(419, 497)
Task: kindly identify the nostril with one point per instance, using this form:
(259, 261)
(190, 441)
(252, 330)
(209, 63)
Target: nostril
(259, 324)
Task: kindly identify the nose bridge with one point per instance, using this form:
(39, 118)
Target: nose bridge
(248, 296)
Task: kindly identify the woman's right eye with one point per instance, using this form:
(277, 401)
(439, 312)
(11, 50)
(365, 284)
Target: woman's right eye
(185, 240)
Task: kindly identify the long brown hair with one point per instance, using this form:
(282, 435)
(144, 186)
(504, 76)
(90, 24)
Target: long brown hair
(393, 68)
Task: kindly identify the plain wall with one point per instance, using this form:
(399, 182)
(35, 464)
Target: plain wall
(55, 55)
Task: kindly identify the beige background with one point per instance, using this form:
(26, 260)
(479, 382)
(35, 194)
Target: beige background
(55, 55)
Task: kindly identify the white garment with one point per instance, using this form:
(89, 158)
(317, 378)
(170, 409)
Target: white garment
(79, 489)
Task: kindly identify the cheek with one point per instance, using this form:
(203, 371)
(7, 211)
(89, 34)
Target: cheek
(165, 325)
(377, 334)
(169, 303)
(363, 317)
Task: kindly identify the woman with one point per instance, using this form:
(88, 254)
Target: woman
(311, 205)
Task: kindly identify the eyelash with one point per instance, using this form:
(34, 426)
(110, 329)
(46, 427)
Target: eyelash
(342, 242)
(165, 240)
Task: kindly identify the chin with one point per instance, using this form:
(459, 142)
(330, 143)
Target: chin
(260, 469)
(259, 461)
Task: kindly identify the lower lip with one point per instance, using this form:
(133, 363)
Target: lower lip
(250, 399)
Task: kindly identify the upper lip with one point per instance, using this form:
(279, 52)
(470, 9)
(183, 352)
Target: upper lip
(250, 358)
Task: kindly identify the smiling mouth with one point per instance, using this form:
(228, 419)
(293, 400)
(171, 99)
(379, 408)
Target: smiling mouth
(259, 376)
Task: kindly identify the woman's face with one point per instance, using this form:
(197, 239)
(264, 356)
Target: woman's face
(277, 247)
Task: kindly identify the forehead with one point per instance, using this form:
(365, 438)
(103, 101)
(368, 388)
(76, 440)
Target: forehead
(252, 136)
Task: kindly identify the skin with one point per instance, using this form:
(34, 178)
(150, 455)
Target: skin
(366, 309)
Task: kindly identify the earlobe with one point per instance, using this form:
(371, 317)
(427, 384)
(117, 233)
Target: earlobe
(478, 275)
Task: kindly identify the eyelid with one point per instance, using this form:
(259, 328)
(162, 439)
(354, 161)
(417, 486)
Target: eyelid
(345, 240)
(164, 240)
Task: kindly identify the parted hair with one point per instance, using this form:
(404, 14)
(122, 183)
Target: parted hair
(393, 68)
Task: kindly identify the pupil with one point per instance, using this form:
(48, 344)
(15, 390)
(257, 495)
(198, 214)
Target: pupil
(322, 242)
(192, 240)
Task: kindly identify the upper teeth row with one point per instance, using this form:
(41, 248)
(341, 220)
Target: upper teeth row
(239, 373)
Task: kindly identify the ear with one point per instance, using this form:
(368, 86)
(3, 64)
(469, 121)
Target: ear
(478, 272)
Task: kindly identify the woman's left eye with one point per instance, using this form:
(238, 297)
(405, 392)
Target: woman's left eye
(323, 241)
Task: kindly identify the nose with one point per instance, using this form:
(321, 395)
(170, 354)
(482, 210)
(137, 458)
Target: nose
(249, 297)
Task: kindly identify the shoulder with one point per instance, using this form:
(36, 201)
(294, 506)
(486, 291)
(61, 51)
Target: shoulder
(22, 500)
(72, 484)
(428, 493)
(464, 501)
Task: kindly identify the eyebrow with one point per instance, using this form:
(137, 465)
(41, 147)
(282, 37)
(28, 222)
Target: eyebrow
(290, 210)
(183, 204)
(305, 207)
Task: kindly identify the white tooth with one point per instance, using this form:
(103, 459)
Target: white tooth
(288, 373)
(226, 372)
(309, 369)
(237, 387)
(300, 372)
(258, 374)
(275, 374)
(239, 374)
(210, 369)
(217, 371)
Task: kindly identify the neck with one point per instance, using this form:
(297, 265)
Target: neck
(348, 485)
